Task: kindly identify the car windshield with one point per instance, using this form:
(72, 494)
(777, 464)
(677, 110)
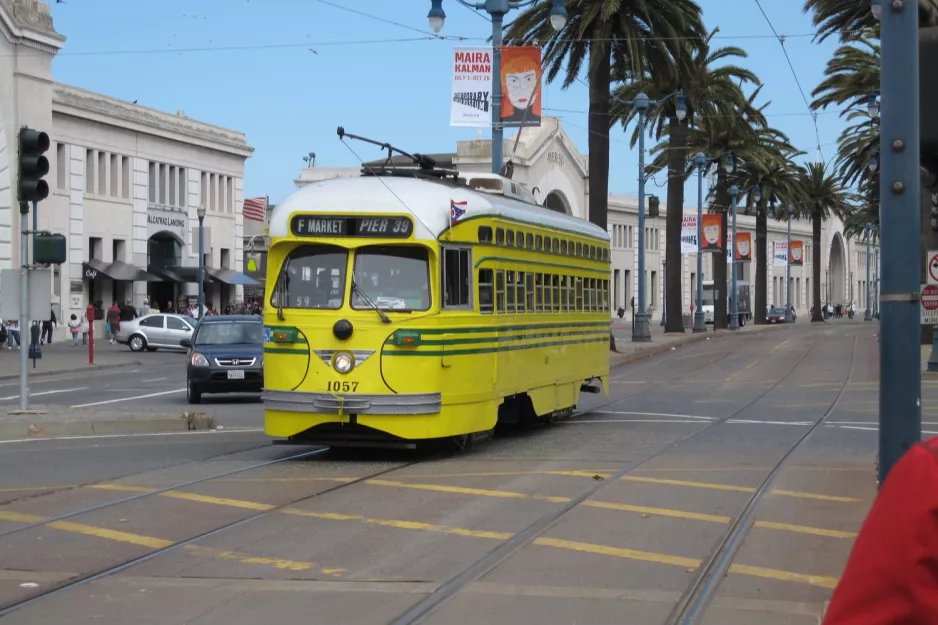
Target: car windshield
(395, 278)
(777, 310)
(189, 321)
(313, 276)
(233, 333)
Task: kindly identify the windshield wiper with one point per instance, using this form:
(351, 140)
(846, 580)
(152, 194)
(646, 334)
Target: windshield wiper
(358, 290)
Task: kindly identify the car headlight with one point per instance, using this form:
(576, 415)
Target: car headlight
(198, 360)
(343, 362)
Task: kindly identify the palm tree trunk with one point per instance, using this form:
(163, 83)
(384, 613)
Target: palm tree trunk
(816, 222)
(677, 148)
(762, 266)
(720, 290)
(599, 110)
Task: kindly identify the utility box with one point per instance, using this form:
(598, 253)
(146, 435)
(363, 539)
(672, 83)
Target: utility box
(50, 249)
(40, 294)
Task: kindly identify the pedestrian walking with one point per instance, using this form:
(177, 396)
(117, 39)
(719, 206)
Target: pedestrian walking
(113, 319)
(74, 326)
(13, 334)
(85, 326)
(48, 326)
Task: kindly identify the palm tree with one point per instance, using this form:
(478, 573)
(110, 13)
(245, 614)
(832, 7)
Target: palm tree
(848, 19)
(622, 35)
(824, 197)
(708, 91)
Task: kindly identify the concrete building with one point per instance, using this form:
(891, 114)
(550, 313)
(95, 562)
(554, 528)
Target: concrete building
(547, 163)
(126, 183)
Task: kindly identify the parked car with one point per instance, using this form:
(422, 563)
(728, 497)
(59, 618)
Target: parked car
(156, 331)
(226, 355)
(775, 314)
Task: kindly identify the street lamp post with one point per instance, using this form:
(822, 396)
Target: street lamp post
(867, 314)
(788, 317)
(497, 9)
(734, 303)
(900, 370)
(201, 214)
(876, 290)
(700, 322)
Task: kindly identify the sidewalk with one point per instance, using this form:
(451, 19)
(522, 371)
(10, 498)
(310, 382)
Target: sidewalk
(61, 357)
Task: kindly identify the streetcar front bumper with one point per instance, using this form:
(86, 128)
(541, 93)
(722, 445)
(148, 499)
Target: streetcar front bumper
(354, 403)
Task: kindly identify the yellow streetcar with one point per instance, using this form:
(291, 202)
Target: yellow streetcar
(409, 306)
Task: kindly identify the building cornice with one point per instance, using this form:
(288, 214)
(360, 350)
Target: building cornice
(112, 111)
(28, 23)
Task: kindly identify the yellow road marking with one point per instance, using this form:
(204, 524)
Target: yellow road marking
(743, 370)
(822, 581)
(574, 473)
(803, 529)
(707, 485)
(800, 495)
(780, 345)
(277, 563)
(678, 514)
(109, 534)
(17, 517)
(289, 479)
(121, 488)
(619, 552)
(408, 525)
(504, 494)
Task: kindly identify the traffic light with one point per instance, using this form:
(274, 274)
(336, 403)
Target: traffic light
(654, 206)
(32, 167)
(49, 249)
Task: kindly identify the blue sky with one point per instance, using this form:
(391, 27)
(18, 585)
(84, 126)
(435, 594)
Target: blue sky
(246, 65)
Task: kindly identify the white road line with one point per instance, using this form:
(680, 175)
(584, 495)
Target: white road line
(651, 414)
(625, 421)
(872, 429)
(870, 423)
(135, 397)
(95, 436)
(759, 422)
(61, 390)
(155, 380)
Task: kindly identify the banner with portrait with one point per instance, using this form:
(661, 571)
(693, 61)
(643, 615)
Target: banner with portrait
(689, 234)
(743, 248)
(472, 87)
(521, 86)
(712, 234)
(796, 253)
(780, 254)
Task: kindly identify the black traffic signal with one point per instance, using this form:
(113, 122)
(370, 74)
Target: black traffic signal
(654, 206)
(33, 166)
(49, 249)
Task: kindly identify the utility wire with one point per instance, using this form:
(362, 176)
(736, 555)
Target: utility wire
(781, 42)
(380, 19)
(698, 115)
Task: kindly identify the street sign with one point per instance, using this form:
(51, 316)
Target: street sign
(40, 294)
(929, 299)
(931, 266)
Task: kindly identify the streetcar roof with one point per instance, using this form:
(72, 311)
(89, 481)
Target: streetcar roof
(428, 201)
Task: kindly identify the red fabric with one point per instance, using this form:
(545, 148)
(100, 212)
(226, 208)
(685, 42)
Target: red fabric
(892, 573)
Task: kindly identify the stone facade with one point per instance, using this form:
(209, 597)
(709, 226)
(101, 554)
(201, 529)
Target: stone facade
(121, 176)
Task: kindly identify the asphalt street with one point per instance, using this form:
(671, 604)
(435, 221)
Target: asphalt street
(618, 511)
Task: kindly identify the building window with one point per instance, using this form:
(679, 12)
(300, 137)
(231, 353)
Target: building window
(125, 177)
(94, 248)
(171, 200)
(457, 265)
(89, 172)
(102, 173)
(152, 180)
(115, 176)
(203, 194)
(229, 194)
(61, 165)
(225, 258)
(118, 250)
(183, 187)
(485, 291)
(213, 190)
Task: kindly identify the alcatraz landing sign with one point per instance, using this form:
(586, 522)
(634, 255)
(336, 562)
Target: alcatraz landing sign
(159, 220)
(471, 103)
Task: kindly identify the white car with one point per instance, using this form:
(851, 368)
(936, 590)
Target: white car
(156, 331)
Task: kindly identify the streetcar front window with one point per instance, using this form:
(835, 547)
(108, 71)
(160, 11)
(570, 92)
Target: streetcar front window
(394, 277)
(313, 276)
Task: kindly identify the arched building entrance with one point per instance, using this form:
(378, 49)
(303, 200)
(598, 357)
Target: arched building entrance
(164, 251)
(837, 271)
(556, 201)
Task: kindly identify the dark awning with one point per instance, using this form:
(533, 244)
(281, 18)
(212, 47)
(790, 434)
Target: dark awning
(164, 273)
(116, 270)
(229, 276)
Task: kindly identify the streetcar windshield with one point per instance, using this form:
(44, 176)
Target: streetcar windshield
(394, 277)
(313, 276)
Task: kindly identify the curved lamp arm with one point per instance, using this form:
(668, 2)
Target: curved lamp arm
(437, 17)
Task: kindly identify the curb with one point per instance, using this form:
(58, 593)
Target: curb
(32, 373)
(620, 359)
(39, 429)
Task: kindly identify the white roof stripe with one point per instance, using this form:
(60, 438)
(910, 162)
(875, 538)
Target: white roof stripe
(427, 200)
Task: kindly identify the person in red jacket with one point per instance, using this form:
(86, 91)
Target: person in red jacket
(892, 572)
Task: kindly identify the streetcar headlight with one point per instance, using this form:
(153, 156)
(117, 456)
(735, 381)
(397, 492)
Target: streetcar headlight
(198, 360)
(343, 362)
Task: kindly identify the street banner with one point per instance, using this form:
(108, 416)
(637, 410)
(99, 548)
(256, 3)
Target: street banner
(712, 233)
(472, 87)
(797, 253)
(743, 247)
(729, 249)
(780, 254)
(689, 234)
(521, 86)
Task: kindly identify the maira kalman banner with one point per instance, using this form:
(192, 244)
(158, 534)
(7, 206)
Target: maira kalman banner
(797, 253)
(712, 233)
(743, 247)
(689, 234)
(521, 86)
(780, 253)
(472, 87)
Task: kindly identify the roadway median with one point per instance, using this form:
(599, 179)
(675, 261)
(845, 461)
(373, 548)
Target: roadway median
(61, 421)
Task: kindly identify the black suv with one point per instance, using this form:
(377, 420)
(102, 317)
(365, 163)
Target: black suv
(226, 355)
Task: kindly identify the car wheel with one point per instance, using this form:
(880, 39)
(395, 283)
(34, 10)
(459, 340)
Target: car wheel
(137, 343)
(193, 394)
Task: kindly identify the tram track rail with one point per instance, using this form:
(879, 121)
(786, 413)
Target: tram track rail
(424, 608)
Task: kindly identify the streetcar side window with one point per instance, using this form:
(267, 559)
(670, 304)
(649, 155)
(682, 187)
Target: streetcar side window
(500, 291)
(457, 277)
(556, 289)
(547, 247)
(485, 234)
(529, 280)
(312, 276)
(538, 243)
(510, 238)
(519, 239)
(529, 241)
(520, 287)
(579, 294)
(563, 294)
(579, 249)
(510, 292)
(486, 289)
(499, 236)
(539, 291)
(563, 247)
(556, 245)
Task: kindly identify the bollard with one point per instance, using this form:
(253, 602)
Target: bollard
(933, 358)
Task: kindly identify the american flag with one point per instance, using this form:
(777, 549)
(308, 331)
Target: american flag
(255, 209)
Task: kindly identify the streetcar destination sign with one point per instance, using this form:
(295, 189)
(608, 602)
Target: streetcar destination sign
(329, 226)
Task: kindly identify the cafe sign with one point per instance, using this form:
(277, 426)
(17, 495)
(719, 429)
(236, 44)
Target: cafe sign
(161, 220)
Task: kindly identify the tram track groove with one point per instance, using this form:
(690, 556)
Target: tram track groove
(418, 612)
(699, 594)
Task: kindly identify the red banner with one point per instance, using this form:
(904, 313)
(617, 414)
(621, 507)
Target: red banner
(796, 253)
(521, 86)
(743, 247)
(712, 234)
